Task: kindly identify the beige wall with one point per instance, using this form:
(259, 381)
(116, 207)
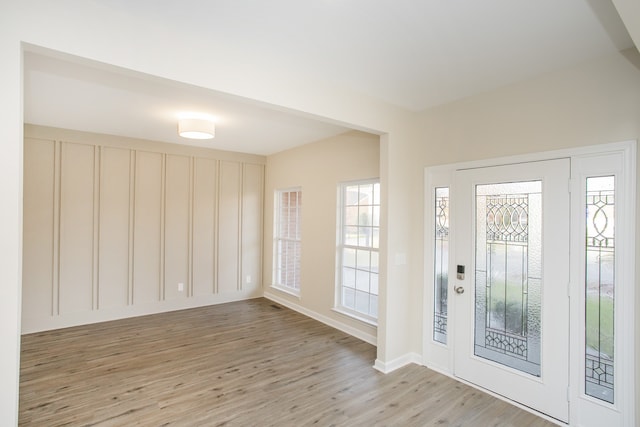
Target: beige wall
(593, 103)
(113, 225)
(318, 168)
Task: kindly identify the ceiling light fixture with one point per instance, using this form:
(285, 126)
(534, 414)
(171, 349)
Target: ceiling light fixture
(196, 128)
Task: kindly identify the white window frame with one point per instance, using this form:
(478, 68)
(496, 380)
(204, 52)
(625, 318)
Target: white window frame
(437, 354)
(341, 246)
(585, 409)
(284, 236)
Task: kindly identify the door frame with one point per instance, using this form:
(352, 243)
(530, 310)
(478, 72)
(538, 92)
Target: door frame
(546, 390)
(439, 357)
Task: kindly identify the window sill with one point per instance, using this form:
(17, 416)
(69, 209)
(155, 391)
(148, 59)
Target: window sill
(292, 292)
(355, 316)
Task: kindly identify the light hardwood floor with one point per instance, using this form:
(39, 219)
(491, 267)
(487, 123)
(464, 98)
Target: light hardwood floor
(249, 363)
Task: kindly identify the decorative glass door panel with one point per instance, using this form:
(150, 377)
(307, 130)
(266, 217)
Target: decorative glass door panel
(508, 274)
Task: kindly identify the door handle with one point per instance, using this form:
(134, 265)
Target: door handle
(459, 290)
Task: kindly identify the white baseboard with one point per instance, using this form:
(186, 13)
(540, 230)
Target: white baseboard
(47, 323)
(371, 339)
(397, 363)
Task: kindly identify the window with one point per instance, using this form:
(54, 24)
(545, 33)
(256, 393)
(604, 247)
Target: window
(600, 287)
(441, 264)
(358, 244)
(603, 286)
(288, 205)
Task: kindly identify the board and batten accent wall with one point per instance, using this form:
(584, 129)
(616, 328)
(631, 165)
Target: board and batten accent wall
(113, 226)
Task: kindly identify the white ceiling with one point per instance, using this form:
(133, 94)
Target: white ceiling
(414, 54)
(77, 96)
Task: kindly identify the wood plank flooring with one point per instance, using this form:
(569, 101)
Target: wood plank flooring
(249, 363)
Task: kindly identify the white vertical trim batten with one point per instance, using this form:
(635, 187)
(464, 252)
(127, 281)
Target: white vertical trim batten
(95, 268)
(163, 218)
(132, 221)
(192, 186)
(216, 270)
(55, 294)
(241, 179)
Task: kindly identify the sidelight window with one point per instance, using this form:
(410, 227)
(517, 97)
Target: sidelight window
(600, 287)
(441, 264)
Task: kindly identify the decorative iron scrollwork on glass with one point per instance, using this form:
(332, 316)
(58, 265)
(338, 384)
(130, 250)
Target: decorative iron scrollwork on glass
(515, 345)
(440, 323)
(507, 225)
(599, 372)
(599, 288)
(442, 214)
(441, 264)
(509, 274)
(507, 218)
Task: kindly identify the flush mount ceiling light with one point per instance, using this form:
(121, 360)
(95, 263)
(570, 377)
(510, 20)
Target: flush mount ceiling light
(196, 128)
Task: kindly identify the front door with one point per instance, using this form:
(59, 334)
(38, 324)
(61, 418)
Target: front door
(511, 331)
